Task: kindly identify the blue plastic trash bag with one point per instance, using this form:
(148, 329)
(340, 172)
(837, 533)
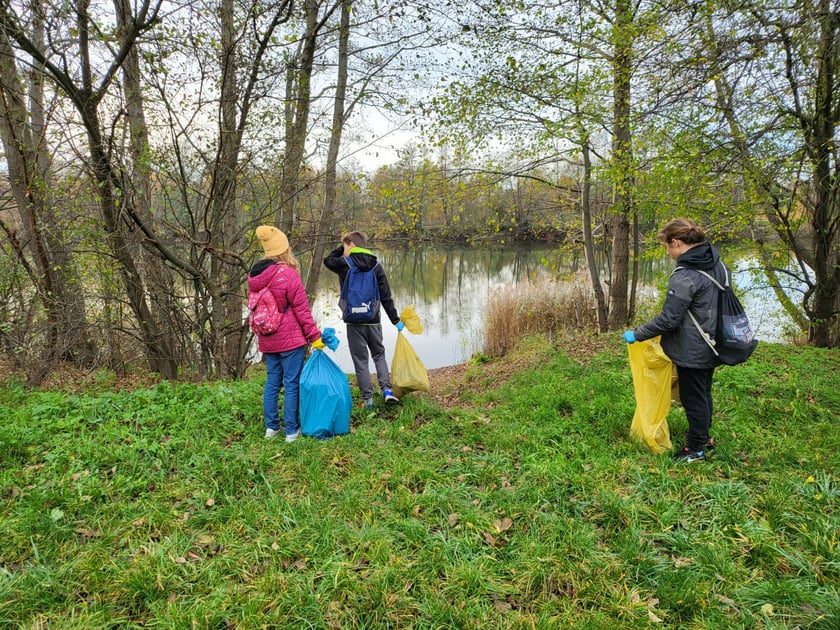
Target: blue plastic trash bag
(329, 338)
(325, 401)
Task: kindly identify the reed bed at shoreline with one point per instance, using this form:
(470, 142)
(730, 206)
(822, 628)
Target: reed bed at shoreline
(546, 307)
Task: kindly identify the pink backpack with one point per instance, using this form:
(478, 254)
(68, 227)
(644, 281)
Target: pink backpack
(264, 315)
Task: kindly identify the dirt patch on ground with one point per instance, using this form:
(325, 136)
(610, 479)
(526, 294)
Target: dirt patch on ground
(448, 384)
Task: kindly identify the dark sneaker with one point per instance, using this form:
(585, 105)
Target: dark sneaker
(389, 397)
(688, 456)
(367, 403)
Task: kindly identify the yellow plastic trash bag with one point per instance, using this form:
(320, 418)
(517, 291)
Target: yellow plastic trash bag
(411, 320)
(408, 373)
(651, 370)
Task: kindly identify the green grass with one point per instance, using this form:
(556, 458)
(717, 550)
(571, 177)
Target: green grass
(165, 508)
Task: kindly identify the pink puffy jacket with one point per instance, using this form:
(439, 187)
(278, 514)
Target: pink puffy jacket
(297, 327)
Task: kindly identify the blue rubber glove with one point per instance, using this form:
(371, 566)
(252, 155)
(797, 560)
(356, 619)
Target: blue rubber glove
(400, 326)
(629, 337)
(329, 338)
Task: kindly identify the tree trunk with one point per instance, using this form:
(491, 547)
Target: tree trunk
(588, 240)
(298, 103)
(330, 175)
(54, 275)
(622, 156)
(825, 214)
(157, 277)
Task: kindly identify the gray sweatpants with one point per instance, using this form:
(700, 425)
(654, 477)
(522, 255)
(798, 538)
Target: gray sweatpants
(360, 338)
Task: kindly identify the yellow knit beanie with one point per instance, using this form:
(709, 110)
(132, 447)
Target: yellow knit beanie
(274, 242)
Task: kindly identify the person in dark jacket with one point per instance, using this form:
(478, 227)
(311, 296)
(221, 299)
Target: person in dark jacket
(689, 292)
(365, 340)
(283, 350)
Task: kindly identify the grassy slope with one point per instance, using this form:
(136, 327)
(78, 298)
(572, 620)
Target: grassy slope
(525, 506)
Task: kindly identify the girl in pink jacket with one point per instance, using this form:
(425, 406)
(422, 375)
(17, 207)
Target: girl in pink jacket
(283, 350)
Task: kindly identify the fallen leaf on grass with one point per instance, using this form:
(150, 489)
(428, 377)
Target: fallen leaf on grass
(88, 534)
(503, 525)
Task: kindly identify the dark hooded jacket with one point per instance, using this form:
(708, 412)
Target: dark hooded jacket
(689, 290)
(365, 260)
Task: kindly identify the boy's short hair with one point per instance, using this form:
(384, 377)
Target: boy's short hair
(358, 238)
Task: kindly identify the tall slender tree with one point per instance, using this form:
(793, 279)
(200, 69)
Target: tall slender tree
(39, 238)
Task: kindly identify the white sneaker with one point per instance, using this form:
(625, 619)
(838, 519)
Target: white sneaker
(270, 433)
(293, 436)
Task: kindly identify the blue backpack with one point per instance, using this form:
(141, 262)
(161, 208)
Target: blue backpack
(359, 297)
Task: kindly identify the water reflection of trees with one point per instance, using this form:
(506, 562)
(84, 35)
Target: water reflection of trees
(450, 284)
(427, 273)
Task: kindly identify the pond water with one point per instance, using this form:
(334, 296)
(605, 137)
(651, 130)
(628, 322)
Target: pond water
(450, 287)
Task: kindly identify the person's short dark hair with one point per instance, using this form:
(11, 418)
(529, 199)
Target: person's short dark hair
(358, 238)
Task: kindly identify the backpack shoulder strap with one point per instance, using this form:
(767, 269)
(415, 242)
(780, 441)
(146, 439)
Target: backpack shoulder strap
(706, 336)
(726, 274)
(267, 288)
(715, 282)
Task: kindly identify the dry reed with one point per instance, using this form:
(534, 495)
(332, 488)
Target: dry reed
(544, 308)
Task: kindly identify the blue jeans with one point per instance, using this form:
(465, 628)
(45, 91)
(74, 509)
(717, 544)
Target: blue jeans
(283, 370)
